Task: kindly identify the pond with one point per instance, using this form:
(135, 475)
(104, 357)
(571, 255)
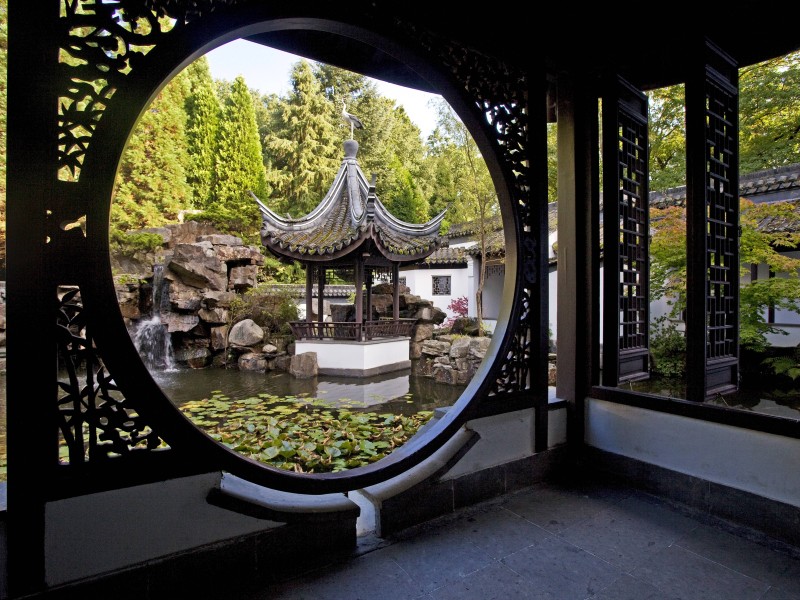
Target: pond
(399, 392)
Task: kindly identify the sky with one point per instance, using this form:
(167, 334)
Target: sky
(267, 70)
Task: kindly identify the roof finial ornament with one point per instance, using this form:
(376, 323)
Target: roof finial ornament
(350, 119)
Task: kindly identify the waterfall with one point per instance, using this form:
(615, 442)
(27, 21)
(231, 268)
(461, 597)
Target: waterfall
(150, 336)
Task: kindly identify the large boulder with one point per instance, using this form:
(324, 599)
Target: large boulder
(304, 365)
(245, 333)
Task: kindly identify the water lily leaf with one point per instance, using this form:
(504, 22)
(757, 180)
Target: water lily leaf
(269, 452)
(332, 451)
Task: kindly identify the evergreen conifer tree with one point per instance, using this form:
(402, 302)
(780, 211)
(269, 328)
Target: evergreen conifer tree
(238, 165)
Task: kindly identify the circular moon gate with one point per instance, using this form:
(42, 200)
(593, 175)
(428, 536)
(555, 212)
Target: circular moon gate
(490, 98)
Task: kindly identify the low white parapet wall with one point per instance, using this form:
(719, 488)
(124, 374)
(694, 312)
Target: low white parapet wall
(358, 359)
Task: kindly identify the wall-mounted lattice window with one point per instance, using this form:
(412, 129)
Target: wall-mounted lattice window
(402, 281)
(441, 285)
(495, 270)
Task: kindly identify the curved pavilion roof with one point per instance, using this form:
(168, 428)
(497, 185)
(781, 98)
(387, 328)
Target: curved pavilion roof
(349, 218)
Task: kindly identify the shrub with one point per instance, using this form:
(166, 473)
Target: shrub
(128, 244)
(667, 348)
(270, 308)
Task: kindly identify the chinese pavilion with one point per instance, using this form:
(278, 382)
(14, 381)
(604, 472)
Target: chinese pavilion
(353, 237)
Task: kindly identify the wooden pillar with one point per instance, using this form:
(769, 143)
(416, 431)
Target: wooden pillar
(396, 291)
(321, 300)
(309, 293)
(368, 278)
(359, 296)
(578, 247)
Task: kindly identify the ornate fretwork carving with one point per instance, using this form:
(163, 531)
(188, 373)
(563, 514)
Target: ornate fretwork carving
(96, 422)
(500, 93)
(102, 41)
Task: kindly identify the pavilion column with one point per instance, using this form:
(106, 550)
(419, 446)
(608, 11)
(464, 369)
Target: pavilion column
(321, 299)
(396, 292)
(368, 278)
(359, 296)
(309, 294)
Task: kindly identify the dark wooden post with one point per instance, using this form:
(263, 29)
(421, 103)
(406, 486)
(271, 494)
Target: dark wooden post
(309, 293)
(626, 231)
(578, 247)
(712, 222)
(359, 296)
(396, 292)
(321, 301)
(368, 277)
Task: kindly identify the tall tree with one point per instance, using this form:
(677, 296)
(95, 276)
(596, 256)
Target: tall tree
(302, 150)
(769, 113)
(239, 166)
(476, 198)
(769, 122)
(202, 124)
(151, 186)
(390, 145)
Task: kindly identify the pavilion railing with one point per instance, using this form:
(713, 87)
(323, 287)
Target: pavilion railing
(338, 330)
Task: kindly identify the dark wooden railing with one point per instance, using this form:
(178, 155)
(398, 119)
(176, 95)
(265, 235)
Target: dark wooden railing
(369, 330)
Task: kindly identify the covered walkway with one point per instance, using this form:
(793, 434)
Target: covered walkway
(559, 541)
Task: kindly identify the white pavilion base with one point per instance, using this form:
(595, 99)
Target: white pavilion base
(358, 359)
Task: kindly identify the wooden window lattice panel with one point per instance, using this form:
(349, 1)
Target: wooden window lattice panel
(626, 296)
(441, 285)
(713, 222)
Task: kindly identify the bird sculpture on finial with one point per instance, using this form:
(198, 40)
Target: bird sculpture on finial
(350, 119)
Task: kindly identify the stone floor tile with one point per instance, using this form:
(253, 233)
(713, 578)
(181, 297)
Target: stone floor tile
(369, 577)
(778, 594)
(437, 557)
(501, 532)
(629, 532)
(495, 582)
(689, 576)
(560, 571)
(770, 565)
(630, 588)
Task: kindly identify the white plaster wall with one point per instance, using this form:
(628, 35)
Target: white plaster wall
(420, 282)
(356, 355)
(97, 533)
(493, 295)
(760, 463)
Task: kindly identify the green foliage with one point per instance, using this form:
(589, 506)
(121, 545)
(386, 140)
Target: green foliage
(769, 113)
(668, 267)
(667, 349)
(202, 126)
(269, 306)
(151, 186)
(129, 244)
(276, 271)
(788, 365)
(302, 435)
(239, 166)
(302, 150)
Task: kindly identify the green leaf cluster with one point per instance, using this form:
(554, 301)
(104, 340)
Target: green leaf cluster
(302, 435)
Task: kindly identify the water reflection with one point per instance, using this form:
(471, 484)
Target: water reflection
(776, 401)
(400, 392)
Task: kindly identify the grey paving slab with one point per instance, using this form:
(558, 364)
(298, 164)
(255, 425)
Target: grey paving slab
(626, 534)
(779, 594)
(689, 576)
(500, 532)
(630, 588)
(434, 558)
(560, 571)
(495, 582)
(556, 508)
(369, 577)
(767, 564)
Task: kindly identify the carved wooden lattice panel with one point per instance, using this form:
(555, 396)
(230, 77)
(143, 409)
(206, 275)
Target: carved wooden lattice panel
(712, 323)
(626, 228)
(504, 103)
(95, 421)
